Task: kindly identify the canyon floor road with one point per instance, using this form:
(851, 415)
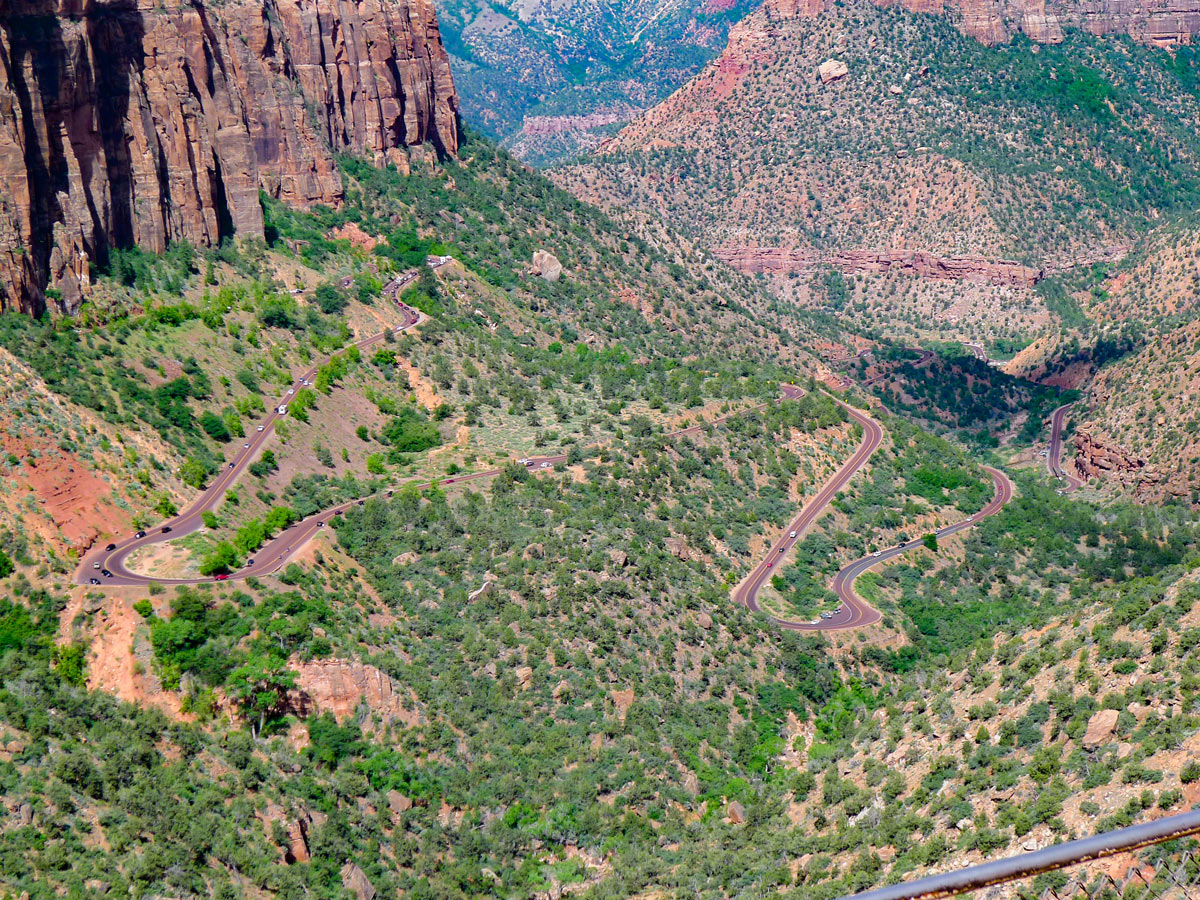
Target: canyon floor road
(1054, 458)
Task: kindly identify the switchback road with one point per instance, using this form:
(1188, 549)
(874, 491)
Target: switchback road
(854, 612)
(112, 559)
(275, 554)
(747, 592)
(110, 566)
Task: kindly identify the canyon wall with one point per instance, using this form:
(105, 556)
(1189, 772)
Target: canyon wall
(139, 122)
(1157, 22)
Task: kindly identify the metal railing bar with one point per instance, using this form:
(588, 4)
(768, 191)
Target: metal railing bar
(1048, 859)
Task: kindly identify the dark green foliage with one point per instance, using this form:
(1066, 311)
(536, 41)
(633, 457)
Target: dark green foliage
(264, 465)
(223, 558)
(330, 742)
(410, 432)
(330, 298)
(214, 426)
(17, 627)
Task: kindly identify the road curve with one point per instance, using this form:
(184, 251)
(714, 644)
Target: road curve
(1054, 458)
(747, 592)
(273, 555)
(854, 612)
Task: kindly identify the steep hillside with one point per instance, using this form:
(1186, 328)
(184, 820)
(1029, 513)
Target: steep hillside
(518, 459)
(878, 141)
(1139, 427)
(138, 124)
(994, 22)
(552, 80)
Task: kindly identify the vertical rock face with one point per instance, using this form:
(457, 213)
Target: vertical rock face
(140, 122)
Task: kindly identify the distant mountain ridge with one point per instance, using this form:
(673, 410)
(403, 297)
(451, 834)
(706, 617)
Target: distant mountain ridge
(819, 131)
(996, 21)
(553, 79)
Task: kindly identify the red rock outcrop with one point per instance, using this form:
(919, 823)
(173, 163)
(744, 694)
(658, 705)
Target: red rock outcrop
(139, 122)
(1094, 458)
(338, 686)
(783, 260)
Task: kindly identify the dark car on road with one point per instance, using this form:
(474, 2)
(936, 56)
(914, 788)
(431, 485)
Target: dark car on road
(93, 581)
(111, 547)
(106, 573)
(140, 534)
(166, 529)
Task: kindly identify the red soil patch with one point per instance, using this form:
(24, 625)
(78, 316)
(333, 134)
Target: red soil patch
(78, 501)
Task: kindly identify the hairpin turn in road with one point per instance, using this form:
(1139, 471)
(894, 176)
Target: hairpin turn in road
(270, 558)
(854, 612)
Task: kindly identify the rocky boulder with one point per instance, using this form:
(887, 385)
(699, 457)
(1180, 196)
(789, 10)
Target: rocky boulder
(524, 677)
(355, 881)
(484, 590)
(1100, 729)
(832, 70)
(398, 802)
(339, 686)
(622, 700)
(546, 265)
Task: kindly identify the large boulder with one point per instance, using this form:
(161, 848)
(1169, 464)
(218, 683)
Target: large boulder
(355, 881)
(831, 70)
(736, 813)
(524, 677)
(1100, 729)
(546, 265)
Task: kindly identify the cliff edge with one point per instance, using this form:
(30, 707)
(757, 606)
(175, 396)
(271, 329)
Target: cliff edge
(139, 122)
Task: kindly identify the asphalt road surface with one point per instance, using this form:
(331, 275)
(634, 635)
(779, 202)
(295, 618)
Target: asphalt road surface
(1054, 458)
(747, 592)
(855, 611)
(275, 554)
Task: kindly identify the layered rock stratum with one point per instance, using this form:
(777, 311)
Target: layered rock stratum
(996, 21)
(787, 260)
(141, 122)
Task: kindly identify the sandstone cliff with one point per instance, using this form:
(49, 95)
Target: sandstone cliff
(139, 122)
